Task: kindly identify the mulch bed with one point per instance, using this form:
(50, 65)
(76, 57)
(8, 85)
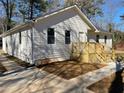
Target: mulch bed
(70, 69)
(110, 84)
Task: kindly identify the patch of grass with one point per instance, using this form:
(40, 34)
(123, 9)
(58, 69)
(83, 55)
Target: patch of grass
(18, 61)
(110, 84)
(1, 51)
(5, 54)
(120, 55)
(70, 69)
(2, 68)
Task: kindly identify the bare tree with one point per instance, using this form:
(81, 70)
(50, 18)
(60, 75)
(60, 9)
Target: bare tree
(9, 6)
(30, 8)
(3, 24)
(107, 21)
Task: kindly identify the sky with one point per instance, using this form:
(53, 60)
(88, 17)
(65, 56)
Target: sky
(112, 10)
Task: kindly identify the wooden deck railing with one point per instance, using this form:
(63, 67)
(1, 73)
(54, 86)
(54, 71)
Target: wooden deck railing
(91, 52)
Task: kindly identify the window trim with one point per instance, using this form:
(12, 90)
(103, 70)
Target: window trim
(50, 36)
(20, 37)
(105, 38)
(97, 38)
(67, 37)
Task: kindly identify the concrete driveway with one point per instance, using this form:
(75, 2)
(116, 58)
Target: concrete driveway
(33, 80)
(30, 81)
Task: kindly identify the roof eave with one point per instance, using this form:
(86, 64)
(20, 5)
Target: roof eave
(16, 29)
(89, 23)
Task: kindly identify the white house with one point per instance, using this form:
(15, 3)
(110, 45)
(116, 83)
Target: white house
(51, 36)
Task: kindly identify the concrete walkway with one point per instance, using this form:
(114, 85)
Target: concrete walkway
(8, 64)
(34, 80)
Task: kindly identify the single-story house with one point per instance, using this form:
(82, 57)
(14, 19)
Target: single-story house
(52, 35)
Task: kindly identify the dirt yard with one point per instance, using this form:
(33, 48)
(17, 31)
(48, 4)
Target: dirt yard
(119, 46)
(70, 69)
(111, 84)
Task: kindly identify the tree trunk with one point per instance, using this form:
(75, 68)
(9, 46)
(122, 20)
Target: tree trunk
(31, 9)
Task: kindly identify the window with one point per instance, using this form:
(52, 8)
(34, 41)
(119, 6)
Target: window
(67, 37)
(50, 36)
(97, 38)
(20, 38)
(105, 37)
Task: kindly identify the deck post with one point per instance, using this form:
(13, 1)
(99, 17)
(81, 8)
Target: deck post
(85, 54)
(113, 54)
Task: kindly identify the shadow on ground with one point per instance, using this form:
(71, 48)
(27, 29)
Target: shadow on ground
(70, 69)
(117, 85)
(28, 81)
